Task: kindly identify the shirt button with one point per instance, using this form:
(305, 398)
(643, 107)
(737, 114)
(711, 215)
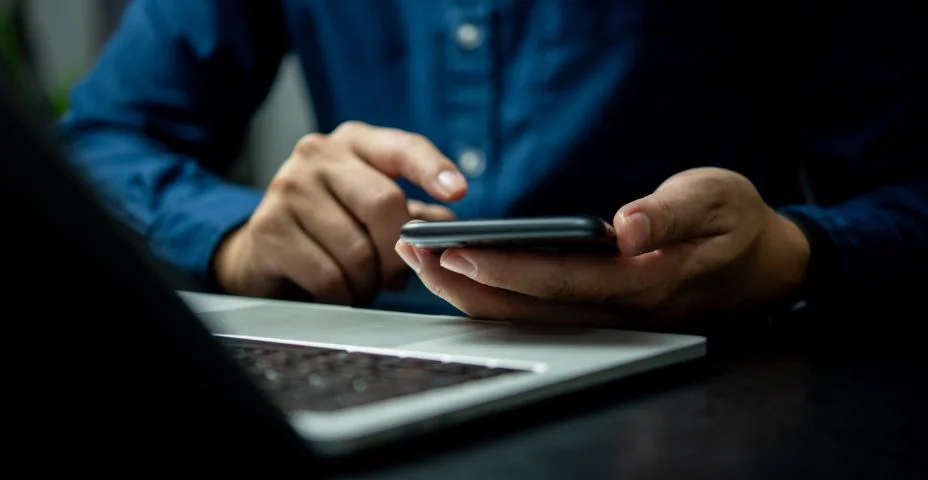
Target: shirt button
(469, 36)
(471, 162)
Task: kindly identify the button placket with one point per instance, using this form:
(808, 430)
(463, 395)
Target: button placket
(469, 85)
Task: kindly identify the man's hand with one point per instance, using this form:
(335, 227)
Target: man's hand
(704, 241)
(332, 214)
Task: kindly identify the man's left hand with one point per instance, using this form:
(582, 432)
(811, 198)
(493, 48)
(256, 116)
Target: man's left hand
(705, 241)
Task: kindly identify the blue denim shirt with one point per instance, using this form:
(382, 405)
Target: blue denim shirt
(551, 106)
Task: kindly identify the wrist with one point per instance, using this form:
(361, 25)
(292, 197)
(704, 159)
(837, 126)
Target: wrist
(786, 255)
(220, 272)
(798, 253)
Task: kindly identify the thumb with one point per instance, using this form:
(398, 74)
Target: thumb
(675, 213)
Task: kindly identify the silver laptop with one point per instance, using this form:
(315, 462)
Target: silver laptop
(254, 375)
(351, 378)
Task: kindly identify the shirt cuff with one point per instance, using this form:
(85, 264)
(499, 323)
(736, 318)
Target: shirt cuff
(189, 237)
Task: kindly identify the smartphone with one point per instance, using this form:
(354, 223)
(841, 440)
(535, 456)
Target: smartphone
(552, 234)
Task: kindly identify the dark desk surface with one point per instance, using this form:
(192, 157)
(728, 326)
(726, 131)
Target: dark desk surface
(769, 406)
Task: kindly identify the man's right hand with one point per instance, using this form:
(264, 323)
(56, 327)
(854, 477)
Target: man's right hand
(332, 215)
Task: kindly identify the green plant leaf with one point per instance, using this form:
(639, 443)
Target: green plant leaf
(10, 49)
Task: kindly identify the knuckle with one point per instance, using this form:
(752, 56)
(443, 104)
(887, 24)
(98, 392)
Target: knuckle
(716, 218)
(310, 145)
(385, 198)
(349, 128)
(412, 139)
(361, 255)
(293, 178)
(404, 143)
(669, 217)
(284, 184)
(717, 191)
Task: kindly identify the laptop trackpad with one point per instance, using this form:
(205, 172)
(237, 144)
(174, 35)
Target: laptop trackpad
(338, 325)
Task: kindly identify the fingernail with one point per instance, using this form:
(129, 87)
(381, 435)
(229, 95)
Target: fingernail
(458, 264)
(451, 182)
(638, 230)
(408, 255)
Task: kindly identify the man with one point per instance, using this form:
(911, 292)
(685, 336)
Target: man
(690, 124)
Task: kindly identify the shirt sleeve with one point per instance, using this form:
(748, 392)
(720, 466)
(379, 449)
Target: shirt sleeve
(164, 112)
(861, 140)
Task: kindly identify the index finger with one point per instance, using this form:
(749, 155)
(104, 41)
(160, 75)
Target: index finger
(397, 153)
(566, 278)
(486, 302)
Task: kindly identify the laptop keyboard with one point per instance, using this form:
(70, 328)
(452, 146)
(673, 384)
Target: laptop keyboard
(325, 379)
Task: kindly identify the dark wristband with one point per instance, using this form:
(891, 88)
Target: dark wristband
(817, 292)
